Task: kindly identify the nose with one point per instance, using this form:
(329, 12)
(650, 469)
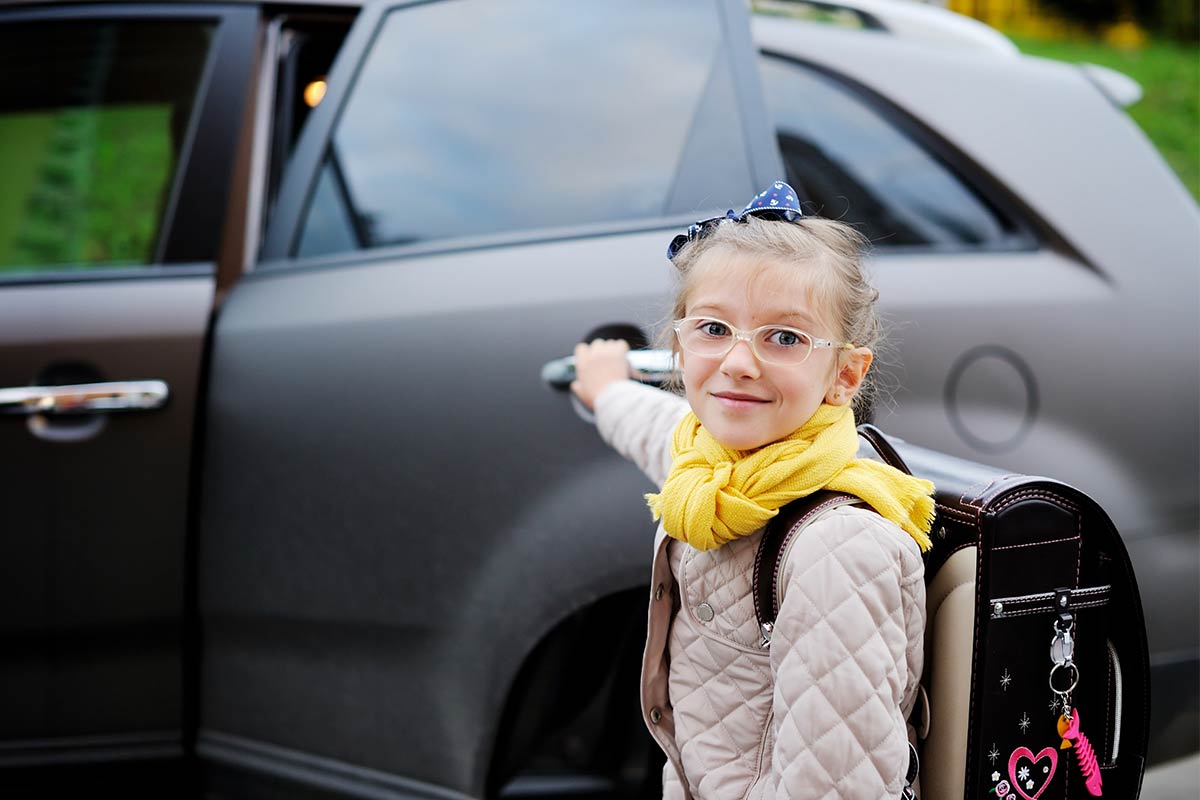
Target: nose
(741, 362)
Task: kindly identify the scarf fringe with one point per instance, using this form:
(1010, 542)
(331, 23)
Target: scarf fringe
(924, 513)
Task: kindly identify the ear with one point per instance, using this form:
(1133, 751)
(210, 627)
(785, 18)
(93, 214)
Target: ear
(852, 366)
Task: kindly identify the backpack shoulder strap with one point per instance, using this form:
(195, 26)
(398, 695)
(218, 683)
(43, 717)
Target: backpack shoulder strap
(790, 521)
(781, 531)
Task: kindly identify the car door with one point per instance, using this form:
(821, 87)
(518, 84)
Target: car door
(118, 127)
(397, 510)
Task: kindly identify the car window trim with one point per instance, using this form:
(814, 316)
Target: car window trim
(221, 104)
(76, 274)
(259, 167)
(670, 224)
(1029, 232)
(192, 190)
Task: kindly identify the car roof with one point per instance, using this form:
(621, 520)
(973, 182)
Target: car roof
(909, 20)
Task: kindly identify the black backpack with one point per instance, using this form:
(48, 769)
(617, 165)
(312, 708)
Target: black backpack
(1031, 599)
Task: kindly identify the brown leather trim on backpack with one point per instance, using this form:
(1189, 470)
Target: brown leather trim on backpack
(879, 442)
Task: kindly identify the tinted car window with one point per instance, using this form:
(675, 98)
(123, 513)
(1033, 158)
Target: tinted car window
(93, 117)
(852, 163)
(472, 118)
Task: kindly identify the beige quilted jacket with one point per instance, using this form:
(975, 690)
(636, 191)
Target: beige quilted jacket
(821, 712)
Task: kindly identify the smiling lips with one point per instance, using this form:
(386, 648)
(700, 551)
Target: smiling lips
(737, 400)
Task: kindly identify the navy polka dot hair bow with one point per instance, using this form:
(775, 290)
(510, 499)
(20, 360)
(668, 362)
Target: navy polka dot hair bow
(777, 202)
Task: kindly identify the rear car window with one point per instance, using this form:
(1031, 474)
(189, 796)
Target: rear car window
(850, 161)
(474, 118)
(93, 116)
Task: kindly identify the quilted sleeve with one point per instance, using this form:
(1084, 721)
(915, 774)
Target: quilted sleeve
(846, 654)
(637, 421)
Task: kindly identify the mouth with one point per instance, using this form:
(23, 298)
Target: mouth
(737, 400)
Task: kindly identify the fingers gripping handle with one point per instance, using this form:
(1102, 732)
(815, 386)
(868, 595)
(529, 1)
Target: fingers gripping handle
(649, 366)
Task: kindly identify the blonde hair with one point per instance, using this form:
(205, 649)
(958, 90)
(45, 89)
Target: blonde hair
(827, 257)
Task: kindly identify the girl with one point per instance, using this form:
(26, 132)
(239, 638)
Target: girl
(773, 322)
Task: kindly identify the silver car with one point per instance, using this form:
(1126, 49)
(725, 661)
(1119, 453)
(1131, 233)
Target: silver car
(289, 509)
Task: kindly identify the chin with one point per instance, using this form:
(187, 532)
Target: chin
(736, 441)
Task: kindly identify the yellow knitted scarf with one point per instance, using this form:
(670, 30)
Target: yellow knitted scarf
(714, 494)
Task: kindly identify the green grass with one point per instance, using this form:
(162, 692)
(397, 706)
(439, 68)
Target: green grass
(82, 186)
(131, 167)
(1169, 111)
(25, 137)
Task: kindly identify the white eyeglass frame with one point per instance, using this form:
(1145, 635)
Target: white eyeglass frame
(749, 336)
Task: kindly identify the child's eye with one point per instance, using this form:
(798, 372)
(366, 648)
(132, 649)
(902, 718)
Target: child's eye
(785, 337)
(713, 329)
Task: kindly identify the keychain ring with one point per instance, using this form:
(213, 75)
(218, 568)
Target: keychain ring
(1074, 678)
(1062, 648)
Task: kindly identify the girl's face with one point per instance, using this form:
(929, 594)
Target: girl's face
(746, 403)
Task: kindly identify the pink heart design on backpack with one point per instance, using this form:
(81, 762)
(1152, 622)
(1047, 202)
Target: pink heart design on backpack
(1026, 753)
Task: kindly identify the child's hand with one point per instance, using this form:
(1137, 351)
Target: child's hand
(597, 366)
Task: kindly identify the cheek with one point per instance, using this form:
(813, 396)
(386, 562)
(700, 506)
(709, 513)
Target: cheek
(693, 370)
(808, 392)
(690, 385)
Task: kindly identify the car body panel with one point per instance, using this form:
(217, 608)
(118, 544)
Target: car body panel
(94, 561)
(364, 467)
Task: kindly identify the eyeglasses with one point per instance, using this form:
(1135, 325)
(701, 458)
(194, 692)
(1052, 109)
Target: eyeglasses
(774, 344)
(701, 229)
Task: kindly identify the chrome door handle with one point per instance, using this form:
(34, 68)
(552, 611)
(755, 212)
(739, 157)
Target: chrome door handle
(648, 366)
(84, 398)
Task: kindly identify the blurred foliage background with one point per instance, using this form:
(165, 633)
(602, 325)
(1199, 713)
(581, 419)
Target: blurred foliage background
(1120, 22)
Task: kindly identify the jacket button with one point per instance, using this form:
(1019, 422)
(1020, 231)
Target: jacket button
(705, 612)
(655, 715)
(658, 592)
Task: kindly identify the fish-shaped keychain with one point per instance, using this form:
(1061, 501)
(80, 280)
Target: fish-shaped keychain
(1068, 728)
